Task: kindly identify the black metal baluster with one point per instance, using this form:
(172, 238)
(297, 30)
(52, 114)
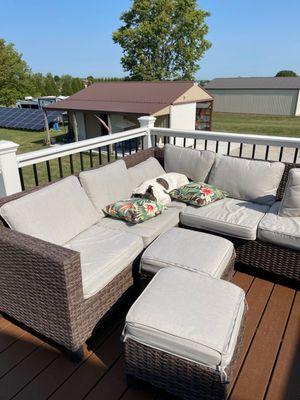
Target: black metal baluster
(267, 152)
(205, 144)
(280, 153)
(36, 178)
(61, 174)
(165, 139)
(21, 179)
(116, 151)
(108, 153)
(136, 145)
(155, 138)
(228, 148)
(253, 151)
(100, 156)
(81, 161)
(217, 146)
(123, 149)
(48, 171)
(241, 150)
(91, 158)
(71, 164)
(142, 143)
(195, 143)
(175, 140)
(296, 155)
(184, 142)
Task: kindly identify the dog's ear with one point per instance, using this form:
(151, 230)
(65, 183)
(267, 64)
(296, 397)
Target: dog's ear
(149, 193)
(163, 183)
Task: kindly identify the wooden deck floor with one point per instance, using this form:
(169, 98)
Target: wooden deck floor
(269, 366)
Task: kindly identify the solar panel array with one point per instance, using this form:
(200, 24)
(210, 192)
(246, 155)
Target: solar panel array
(25, 118)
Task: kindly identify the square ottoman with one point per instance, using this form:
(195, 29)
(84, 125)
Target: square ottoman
(183, 334)
(194, 251)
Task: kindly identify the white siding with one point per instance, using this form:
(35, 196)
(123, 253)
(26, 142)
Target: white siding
(298, 105)
(254, 101)
(183, 116)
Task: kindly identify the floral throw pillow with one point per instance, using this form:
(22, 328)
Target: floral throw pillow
(198, 194)
(134, 210)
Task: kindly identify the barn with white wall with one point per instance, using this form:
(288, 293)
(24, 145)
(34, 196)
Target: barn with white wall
(109, 107)
(273, 96)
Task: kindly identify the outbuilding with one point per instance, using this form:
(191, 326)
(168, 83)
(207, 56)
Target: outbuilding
(109, 107)
(275, 96)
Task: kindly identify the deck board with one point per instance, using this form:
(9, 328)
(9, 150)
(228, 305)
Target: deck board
(268, 366)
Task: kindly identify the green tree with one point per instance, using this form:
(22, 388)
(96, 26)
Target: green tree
(162, 39)
(285, 73)
(15, 80)
(50, 86)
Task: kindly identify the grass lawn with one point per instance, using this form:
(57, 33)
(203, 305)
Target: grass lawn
(222, 122)
(30, 141)
(257, 124)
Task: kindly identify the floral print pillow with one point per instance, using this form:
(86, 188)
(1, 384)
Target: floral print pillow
(134, 210)
(198, 194)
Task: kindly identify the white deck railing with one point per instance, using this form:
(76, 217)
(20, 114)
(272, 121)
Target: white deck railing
(241, 145)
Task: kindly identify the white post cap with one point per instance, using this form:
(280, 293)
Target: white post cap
(147, 121)
(7, 147)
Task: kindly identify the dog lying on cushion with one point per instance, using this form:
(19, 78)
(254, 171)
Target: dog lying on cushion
(158, 189)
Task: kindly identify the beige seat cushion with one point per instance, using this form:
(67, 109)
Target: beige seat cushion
(283, 231)
(144, 171)
(250, 180)
(55, 213)
(148, 230)
(189, 315)
(106, 185)
(195, 164)
(290, 205)
(230, 217)
(104, 253)
(190, 250)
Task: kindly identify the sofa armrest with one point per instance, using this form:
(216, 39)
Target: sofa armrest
(41, 285)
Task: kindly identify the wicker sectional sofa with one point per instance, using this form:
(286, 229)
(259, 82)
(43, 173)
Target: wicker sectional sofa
(63, 265)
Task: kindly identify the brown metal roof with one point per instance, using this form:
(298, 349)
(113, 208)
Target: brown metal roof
(127, 97)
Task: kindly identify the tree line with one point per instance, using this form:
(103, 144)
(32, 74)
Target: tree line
(17, 80)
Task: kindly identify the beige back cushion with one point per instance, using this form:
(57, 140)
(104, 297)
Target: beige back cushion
(290, 205)
(195, 164)
(249, 180)
(144, 171)
(107, 184)
(56, 213)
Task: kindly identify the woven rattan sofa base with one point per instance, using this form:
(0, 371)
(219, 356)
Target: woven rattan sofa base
(41, 287)
(145, 276)
(278, 260)
(180, 377)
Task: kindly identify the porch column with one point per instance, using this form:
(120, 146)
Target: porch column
(48, 139)
(9, 171)
(147, 122)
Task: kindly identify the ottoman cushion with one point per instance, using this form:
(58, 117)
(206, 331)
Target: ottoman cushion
(190, 250)
(188, 315)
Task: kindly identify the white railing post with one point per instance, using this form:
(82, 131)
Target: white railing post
(9, 172)
(147, 122)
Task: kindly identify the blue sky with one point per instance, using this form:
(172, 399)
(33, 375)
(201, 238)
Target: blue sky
(249, 37)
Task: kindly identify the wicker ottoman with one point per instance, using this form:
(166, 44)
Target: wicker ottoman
(183, 334)
(191, 250)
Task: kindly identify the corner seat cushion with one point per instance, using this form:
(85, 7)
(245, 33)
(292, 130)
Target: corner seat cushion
(188, 315)
(148, 169)
(282, 231)
(148, 230)
(195, 164)
(104, 253)
(250, 180)
(230, 217)
(190, 250)
(55, 213)
(106, 185)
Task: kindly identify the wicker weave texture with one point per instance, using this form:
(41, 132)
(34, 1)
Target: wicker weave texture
(180, 377)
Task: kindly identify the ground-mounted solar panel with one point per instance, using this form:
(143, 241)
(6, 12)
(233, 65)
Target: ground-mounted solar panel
(25, 118)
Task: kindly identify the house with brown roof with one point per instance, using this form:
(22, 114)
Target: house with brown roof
(109, 107)
(274, 96)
